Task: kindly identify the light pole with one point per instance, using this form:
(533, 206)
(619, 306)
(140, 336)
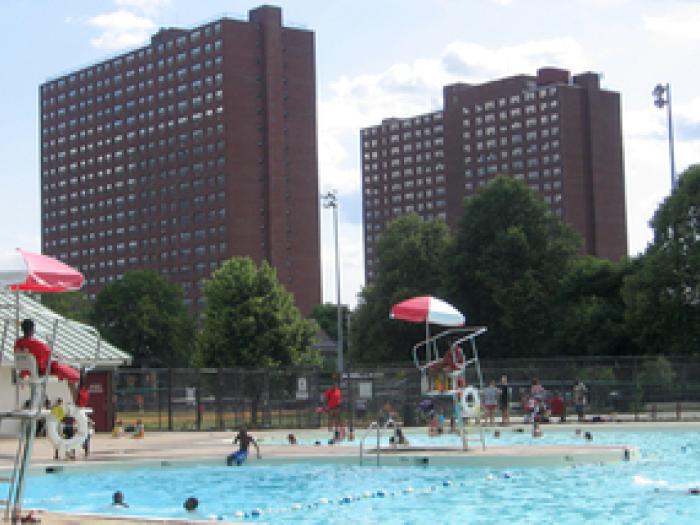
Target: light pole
(330, 200)
(662, 97)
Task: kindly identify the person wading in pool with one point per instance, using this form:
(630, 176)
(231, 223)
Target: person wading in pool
(244, 440)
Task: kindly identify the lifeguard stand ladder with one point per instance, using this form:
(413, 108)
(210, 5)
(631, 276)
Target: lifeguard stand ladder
(436, 364)
(28, 417)
(26, 374)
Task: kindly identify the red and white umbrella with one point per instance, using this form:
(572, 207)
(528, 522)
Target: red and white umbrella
(427, 309)
(34, 272)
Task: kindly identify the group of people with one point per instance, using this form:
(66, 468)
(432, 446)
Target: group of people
(538, 405)
(118, 500)
(136, 431)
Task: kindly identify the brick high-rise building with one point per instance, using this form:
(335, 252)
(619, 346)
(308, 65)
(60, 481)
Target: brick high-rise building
(562, 135)
(181, 154)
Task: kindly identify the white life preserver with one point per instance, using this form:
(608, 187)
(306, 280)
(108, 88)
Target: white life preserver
(82, 429)
(471, 404)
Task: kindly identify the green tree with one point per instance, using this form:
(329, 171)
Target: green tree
(251, 320)
(326, 315)
(144, 314)
(662, 294)
(508, 258)
(589, 318)
(411, 255)
(72, 305)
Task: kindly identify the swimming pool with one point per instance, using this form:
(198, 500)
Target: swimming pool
(650, 490)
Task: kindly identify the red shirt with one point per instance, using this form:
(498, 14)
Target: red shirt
(83, 396)
(556, 406)
(39, 350)
(41, 353)
(333, 397)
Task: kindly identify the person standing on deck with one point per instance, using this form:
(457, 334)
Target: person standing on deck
(504, 400)
(580, 393)
(333, 398)
(491, 394)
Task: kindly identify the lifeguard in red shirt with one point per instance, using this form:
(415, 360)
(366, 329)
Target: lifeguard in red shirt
(42, 353)
(333, 398)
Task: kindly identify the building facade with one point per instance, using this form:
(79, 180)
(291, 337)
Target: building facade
(560, 134)
(181, 154)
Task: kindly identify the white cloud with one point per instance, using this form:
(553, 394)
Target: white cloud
(412, 88)
(683, 23)
(147, 7)
(120, 29)
(474, 62)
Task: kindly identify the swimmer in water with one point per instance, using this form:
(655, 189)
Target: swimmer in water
(244, 440)
(588, 436)
(118, 499)
(536, 430)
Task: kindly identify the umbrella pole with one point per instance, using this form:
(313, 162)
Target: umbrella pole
(429, 351)
(16, 314)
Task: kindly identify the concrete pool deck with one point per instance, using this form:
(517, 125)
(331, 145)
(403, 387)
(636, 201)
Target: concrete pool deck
(212, 446)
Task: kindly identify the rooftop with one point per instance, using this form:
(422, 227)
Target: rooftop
(76, 343)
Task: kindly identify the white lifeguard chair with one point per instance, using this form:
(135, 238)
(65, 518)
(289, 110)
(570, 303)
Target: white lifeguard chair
(27, 375)
(29, 410)
(443, 365)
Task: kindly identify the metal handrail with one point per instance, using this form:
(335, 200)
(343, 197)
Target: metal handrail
(431, 342)
(374, 425)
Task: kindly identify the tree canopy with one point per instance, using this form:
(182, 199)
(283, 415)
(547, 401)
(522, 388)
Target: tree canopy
(326, 315)
(251, 320)
(589, 316)
(72, 305)
(662, 295)
(411, 256)
(143, 313)
(506, 264)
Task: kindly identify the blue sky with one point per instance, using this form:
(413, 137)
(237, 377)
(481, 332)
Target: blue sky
(377, 59)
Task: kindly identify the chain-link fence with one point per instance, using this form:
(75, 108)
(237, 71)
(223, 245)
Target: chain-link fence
(218, 399)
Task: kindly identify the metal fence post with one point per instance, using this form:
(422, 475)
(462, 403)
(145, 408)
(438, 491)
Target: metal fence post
(198, 400)
(219, 399)
(170, 399)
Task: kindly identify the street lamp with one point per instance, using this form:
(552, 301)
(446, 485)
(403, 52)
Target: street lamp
(330, 200)
(662, 97)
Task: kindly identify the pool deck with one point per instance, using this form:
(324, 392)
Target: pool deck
(211, 446)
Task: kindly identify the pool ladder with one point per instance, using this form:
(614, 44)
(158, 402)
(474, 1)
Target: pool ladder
(374, 425)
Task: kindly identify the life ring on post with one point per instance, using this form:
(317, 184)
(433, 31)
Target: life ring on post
(471, 404)
(55, 429)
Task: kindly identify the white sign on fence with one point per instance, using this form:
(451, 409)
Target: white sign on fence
(302, 388)
(364, 389)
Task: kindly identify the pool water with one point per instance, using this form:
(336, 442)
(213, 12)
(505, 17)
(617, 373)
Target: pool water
(651, 490)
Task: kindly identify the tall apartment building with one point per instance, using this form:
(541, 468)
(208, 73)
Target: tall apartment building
(560, 134)
(181, 154)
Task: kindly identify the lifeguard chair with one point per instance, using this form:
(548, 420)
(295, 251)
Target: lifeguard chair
(29, 413)
(444, 366)
(441, 359)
